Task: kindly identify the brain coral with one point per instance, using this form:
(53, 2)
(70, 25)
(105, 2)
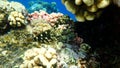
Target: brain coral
(85, 9)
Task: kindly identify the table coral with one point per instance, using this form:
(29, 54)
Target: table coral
(85, 9)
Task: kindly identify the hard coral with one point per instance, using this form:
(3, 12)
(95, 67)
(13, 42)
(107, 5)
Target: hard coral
(39, 57)
(51, 18)
(17, 6)
(7, 10)
(47, 27)
(16, 19)
(85, 9)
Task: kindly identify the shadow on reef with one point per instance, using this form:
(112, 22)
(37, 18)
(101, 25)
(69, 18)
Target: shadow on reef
(103, 35)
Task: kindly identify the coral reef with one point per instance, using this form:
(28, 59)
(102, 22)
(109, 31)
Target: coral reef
(49, 39)
(47, 27)
(7, 11)
(16, 42)
(51, 56)
(51, 18)
(42, 5)
(17, 6)
(16, 19)
(86, 9)
(39, 57)
(103, 36)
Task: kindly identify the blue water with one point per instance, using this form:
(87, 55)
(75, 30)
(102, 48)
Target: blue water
(59, 5)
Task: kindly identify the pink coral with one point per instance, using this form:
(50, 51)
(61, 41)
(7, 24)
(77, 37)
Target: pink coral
(51, 18)
(34, 15)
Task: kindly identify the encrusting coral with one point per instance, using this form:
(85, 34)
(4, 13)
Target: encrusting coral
(39, 57)
(85, 9)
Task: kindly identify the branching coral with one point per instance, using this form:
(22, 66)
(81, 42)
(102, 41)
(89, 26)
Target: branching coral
(16, 19)
(39, 57)
(7, 17)
(85, 9)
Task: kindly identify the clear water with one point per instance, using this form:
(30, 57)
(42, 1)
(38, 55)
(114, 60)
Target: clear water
(59, 6)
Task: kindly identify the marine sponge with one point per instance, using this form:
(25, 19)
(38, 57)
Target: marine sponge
(39, 57)
(86, 9)
(16, 19)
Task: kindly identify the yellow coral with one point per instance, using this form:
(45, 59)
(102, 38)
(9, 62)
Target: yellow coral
(11, 14)
(16, 19)
(85, 9)
(88, 2)
(78, 2)
(39, 57)
(103, 3)
(2, 17)
(39, 28)
(71, 6)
